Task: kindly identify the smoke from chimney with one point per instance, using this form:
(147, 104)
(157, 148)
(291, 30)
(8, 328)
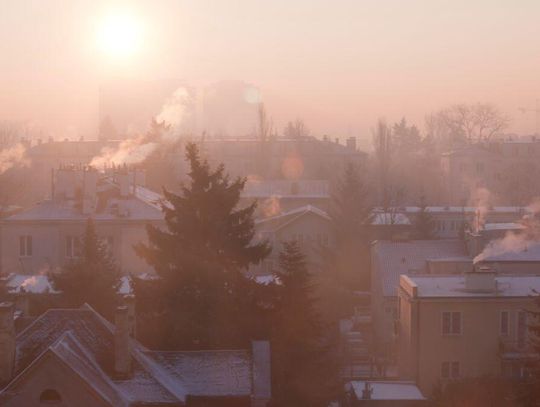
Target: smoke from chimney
(12, 157)
(135, 150)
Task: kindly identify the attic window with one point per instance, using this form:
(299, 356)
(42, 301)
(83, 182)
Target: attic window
(50, 396)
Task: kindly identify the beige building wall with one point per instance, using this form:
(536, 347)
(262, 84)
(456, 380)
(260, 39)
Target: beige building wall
(49, 244)
(423, 347)
(51, 373)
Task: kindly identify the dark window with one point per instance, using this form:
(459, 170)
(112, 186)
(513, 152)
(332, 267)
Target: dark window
(450, 370)
(451, 323)
(25, 246)
(50, 396)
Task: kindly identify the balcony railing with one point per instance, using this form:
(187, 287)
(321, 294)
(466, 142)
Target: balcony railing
(517, 350)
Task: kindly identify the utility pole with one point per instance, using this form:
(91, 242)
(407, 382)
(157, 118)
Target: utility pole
(536, 110)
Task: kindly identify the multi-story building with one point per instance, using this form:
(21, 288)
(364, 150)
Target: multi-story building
(463, 326)
(507, 168)
(276, 196)
(47, 235)
(390, 259)
(283, 158)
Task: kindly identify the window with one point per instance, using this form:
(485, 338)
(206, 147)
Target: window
(451, 323)
(50, 396)
(73, 247)
(25, 246)
(504, 324)
(450, 370)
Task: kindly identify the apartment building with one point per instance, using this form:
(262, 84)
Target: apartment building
(47, 235)
(463, 326)
(506, 167)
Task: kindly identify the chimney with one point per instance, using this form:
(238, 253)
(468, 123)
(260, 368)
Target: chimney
(122, 180)
(481, 279)
(129, 301)
(122, 354)
(351, 143)
(89, 196)
(7, 342)
(262, 389)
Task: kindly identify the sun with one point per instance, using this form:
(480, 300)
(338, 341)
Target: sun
(119, 35)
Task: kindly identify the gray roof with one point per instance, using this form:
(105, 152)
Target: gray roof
(85, 342)
(393, 258)
(140, 207)
(454, 286)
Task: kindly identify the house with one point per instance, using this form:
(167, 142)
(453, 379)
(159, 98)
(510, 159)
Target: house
(276, 196)
(461, 326)
(390, 259)
(449, 222)
(310, 226)
(74, 357)
(47, 235)
(375, 393)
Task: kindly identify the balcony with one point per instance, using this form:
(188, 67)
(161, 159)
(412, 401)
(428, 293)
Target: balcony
(516, 350)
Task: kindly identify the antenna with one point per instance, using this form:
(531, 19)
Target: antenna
(535, 110)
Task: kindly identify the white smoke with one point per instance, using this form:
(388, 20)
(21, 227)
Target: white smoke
(483, 201)
(176, 110)
(510, 243)
(12, 157)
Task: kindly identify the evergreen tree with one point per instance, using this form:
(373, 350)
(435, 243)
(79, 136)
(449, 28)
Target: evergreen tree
(424, 224)
(205, 298)
(351, 216)
(91, 278)
(304, 370)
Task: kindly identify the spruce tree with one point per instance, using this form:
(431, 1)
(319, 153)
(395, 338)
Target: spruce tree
(304, 370)
(206, 300)
(91, 278)
(424, 224)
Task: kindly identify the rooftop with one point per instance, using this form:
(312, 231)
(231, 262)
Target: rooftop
(393, 258)
(387, 390)
(435, 286)
(286, 189)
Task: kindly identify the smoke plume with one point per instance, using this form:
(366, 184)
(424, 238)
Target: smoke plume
(12, 157)
(510, 243)
(135, 150)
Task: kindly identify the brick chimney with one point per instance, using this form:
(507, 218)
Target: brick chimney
(7, 342)
(122, 354)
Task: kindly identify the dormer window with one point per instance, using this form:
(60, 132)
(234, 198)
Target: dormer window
(50, 396)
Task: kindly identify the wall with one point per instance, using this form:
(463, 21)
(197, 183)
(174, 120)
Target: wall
(50, 373)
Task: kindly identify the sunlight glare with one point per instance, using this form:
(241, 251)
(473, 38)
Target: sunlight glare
(119, 35)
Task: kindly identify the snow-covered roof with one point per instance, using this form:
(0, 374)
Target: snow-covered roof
(293, 214)
(387, 390)
(393, 258)
(388, 218)
(129, 208)
(455, 209)
(519, 251)
(454, 286)
(503, 226)
(84, 340)
(35, 284)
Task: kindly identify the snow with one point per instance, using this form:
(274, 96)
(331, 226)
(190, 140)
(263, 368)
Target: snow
(35, 284)
(388, 390)
(454, 286)
(503, 226)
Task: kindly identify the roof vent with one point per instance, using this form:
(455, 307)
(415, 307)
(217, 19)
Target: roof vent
(481, 279)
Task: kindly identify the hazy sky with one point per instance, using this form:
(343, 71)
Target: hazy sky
(338, 64)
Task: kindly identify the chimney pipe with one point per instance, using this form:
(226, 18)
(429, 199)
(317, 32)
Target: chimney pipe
(129, 301)
(122, 354)
(7, 342)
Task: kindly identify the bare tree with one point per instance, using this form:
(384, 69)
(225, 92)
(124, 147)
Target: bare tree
(462, 122)
(382, 142)
(264, 123)
(296, 129)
